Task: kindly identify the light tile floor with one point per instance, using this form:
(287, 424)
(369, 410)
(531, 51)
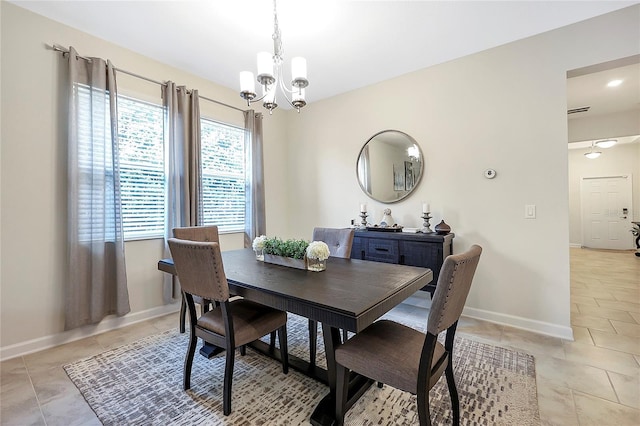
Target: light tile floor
(594, 380)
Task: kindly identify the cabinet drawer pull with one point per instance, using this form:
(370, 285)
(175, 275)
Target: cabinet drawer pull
(381, 249)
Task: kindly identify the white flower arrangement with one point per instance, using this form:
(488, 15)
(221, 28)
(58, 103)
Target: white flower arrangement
(258, 242)
(318, 250)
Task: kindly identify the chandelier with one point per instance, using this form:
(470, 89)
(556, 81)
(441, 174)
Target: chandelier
(270, 76)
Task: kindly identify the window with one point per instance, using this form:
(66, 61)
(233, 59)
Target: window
(141, 146)
(140, 132)
(223, 178)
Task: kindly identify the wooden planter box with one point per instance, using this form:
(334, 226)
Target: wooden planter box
(286, 261)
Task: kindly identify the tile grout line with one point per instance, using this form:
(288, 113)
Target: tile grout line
(33, 388)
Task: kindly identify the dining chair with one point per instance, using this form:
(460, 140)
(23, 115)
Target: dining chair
(407, 359)
(195, 233)
(229, 325)
(340, 242)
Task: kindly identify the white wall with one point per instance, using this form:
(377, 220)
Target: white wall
(604, 126)
(505, 109)
(621, 159)
(33, 178)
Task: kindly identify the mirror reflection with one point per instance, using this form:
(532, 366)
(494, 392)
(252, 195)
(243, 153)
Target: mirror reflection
(389, 166)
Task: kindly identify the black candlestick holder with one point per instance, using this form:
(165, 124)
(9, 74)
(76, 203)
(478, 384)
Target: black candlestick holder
(363, 223)
(426, 227)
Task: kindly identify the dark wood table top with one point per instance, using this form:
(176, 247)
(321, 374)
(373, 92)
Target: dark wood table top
(350, 294)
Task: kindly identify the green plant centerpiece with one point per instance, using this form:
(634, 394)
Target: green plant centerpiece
(294, 249)
(290, 253)
(295, 253)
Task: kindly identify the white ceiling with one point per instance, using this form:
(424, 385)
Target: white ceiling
(591, 90)
(348, 44)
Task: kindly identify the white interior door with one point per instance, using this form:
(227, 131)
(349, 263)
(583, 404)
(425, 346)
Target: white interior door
(606, 212)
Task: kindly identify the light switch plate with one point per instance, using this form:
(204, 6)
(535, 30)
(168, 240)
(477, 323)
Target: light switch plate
(530, 211)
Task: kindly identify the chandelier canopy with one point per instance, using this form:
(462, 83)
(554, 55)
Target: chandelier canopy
(270, 76)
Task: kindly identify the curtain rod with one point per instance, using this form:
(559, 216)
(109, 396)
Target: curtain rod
(62, 50)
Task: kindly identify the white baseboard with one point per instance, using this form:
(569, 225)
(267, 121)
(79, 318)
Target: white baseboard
(108, 324)
(575, 245)
(421, 299)
(535, 326)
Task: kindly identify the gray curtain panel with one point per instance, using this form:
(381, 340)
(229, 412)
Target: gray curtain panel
(97, 284)
(254, 218)
(183, 167)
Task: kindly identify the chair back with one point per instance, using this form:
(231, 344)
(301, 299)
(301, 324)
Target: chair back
(452, 289)
(200, 269)
(339, 241)
(197, 233)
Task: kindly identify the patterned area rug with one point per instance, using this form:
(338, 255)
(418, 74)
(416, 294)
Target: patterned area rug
(141, 384)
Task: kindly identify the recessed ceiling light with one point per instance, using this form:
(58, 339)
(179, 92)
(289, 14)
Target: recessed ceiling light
(614, 83)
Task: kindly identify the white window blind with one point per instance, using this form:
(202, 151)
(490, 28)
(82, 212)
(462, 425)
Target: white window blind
(140, 132)
(95, 176)
(223, 176)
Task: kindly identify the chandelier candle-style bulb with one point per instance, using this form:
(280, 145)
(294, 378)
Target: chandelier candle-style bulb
(299, 72)
(247, 86)
(265, 69)
(270, 99)
(298, 100)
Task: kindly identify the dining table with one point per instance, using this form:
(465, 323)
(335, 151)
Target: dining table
(349, 295)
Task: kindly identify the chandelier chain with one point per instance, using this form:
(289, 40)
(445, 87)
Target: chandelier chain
(278, 52)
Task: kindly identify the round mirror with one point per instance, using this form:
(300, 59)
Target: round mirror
(390, 166)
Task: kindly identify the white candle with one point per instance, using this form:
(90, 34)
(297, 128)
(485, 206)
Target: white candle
(425, 207)
(363, 207)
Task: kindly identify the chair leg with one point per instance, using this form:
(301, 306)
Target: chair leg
(188, 361)
(313, 337)
(243, 350)
(272, 341)
(228, 379)
(424, 414)
(284, 348)
(451, 381)
(453, 393)
(342, 391)
(183, 312)
(345, 335)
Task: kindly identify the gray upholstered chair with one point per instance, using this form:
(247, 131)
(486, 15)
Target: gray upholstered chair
(340, 242)
(195, 233)
(405, 358)
(229, 325)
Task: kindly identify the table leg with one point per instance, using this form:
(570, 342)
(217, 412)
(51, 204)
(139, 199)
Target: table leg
(324, 414)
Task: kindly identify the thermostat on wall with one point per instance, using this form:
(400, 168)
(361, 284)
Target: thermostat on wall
(489, 173)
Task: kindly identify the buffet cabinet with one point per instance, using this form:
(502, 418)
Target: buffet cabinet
(403, 248)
